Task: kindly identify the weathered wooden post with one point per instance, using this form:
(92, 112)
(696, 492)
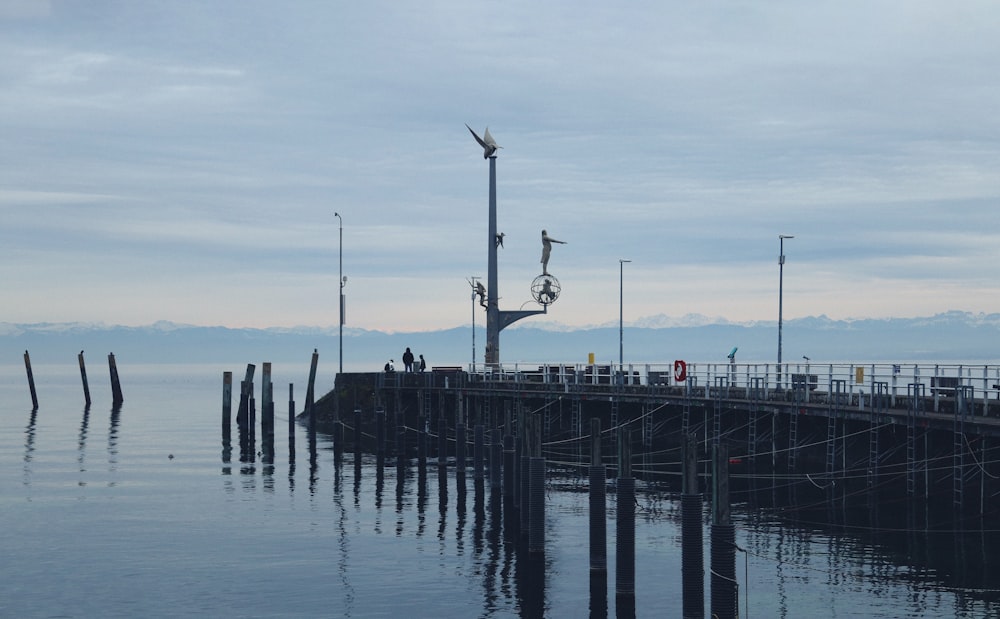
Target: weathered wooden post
(724, 585)
(442, 442)
(508, 457)
(477, 450)
(497, 457)
(116, 387)
(83, 377)
(31, 381)
(536, 490)
(291, 421)
(267, 412)
(692, 553)
(625, 522)
(227, 406)
(598, 502)
(310, 392)
(357, 438)
(460, 448)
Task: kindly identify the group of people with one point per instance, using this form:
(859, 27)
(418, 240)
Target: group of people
(408, 362)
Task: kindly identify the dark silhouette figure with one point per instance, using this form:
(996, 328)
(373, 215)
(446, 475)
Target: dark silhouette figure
(423, 364)
(408, 360)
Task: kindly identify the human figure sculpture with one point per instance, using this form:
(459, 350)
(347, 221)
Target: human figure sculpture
(547, 242)
(481, 291)
(547, 292)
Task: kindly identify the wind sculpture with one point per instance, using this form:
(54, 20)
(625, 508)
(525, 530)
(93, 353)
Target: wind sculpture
(545, 288)
(487, 142)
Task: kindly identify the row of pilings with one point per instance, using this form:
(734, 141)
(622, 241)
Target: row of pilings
(116, 388)
(507, 455)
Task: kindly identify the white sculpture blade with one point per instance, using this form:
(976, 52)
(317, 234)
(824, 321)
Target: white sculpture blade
(489, 144)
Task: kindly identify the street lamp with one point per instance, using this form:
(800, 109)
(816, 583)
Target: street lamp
(781, 278)
(343, 281)
(621, 315)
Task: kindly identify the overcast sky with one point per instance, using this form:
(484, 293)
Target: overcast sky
(183, 160)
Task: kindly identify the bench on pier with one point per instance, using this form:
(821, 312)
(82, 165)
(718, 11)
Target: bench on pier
(945, 385)
(446, 369)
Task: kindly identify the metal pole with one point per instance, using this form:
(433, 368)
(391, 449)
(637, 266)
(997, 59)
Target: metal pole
(621, 318)
(781, 279)
(340, 279)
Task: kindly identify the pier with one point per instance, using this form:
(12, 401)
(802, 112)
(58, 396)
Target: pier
(917, 430)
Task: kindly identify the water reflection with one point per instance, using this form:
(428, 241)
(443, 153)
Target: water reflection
(82, 446)
(113, 445)
(821, 536)
(29, 446)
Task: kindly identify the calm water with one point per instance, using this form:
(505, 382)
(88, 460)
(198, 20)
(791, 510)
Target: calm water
(99, 521)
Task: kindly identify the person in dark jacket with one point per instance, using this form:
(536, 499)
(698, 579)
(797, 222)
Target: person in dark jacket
(408, 360)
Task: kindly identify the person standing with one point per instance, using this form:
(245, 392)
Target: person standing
(408, 360)
(423, 364)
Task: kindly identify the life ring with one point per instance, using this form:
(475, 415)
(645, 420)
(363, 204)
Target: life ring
(680, 371)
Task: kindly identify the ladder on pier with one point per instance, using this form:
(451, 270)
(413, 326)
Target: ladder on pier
(756, 393)
(837, 397)
(915, 392)
(880, 405)
(721, 390)
(801, 396)
(964, 395)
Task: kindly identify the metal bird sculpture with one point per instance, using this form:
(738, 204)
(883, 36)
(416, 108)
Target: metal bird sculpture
(487, 142)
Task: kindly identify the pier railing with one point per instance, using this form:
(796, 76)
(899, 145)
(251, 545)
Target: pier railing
(855, 383)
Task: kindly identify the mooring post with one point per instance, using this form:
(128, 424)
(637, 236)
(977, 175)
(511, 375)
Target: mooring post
(497, 456)
(357, 437)
(116, 387)
(692, 552)
(598, 502)
(536, 491)
(508, 458)
(291, 420)
(311, 390)
(243, 412)
(267, 404)
(83, 377)
(724, 591)
(31, 381)
(380, 432)
(460, 448)
(525, 424)
(442, 442)
(625, 523)
(227, 404)
(477, 450)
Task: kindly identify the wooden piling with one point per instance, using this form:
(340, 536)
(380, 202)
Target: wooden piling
(116, 387)
(31, 381)
(291, 421)
(311, 390)
(460, 448)
(227, 405)
(598, 502)
(496, 461)
(625, 522)
(724, 585)
(692, 552)
(478, 434)
(83, 377)
(536, 489)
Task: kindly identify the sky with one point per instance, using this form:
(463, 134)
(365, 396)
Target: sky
(184, 160)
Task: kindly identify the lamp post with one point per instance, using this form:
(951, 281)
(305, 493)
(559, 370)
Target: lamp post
(781, 278)
(472, 282)
(621, 316)
(342, 280)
